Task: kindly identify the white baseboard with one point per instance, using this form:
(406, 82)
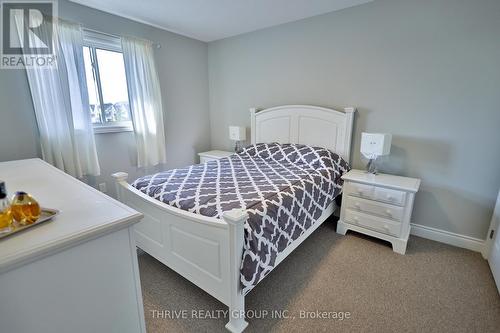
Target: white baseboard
(447, 237)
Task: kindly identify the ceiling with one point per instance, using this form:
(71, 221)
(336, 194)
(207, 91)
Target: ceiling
(209, 20)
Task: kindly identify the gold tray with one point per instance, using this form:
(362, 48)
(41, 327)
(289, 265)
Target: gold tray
(46, 215)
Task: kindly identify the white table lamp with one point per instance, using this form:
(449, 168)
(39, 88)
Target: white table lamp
(374, 145)
(238, 134)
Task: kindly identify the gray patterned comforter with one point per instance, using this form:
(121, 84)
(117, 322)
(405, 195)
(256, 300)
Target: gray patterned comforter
(284, 189)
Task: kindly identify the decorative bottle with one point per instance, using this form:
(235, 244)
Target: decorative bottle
(25, 209)
(5, 212)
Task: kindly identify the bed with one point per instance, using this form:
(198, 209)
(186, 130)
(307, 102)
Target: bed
(202, 233)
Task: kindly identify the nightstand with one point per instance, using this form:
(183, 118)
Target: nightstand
(212, 155)
(379, 206)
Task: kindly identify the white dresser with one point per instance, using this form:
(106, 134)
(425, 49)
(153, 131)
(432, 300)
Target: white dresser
(379, 206)
(211, 155)
(77, 273)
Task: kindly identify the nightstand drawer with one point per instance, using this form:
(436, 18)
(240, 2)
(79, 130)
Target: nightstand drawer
(204, 159)
(359, 190)
(379, 224)
(374, 207)
(391, 196)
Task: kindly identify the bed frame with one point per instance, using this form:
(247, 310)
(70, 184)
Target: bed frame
(208, 251)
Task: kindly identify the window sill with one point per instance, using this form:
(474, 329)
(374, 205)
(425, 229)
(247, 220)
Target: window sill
(103, 129)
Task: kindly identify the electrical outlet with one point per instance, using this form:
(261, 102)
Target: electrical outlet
(102, 187)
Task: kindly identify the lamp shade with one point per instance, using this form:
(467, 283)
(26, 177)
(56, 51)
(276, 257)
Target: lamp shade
(237, 133)
(375, 144)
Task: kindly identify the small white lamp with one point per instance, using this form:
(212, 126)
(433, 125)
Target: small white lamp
(374, 145)
(238, 134)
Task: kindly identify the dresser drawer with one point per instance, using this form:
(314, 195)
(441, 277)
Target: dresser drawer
(391, 196)
(359, 190)
(374, 207)
(379, 224)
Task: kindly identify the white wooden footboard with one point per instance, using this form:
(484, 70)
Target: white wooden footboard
(206, 251)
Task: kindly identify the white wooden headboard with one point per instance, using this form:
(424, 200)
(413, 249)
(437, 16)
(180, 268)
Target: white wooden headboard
(305, 124)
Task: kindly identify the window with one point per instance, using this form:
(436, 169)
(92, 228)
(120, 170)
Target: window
(106, 83)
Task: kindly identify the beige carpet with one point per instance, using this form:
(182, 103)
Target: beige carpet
(433, 288)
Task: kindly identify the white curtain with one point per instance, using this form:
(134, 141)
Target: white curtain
(60, 100)
(145, 101)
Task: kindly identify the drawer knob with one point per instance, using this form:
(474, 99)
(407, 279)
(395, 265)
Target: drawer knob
(388, 212)
(356, 219)
(386, 227)
(389, 197)
(356, 205)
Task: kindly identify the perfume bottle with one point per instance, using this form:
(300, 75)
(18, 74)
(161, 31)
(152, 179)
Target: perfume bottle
(5, 212)
(25, 209)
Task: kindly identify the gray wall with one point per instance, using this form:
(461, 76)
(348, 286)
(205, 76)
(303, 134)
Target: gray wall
(183, 72)
(426, 71)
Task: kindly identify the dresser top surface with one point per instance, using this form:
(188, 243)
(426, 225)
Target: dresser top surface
(84, 211)
(385, 180)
